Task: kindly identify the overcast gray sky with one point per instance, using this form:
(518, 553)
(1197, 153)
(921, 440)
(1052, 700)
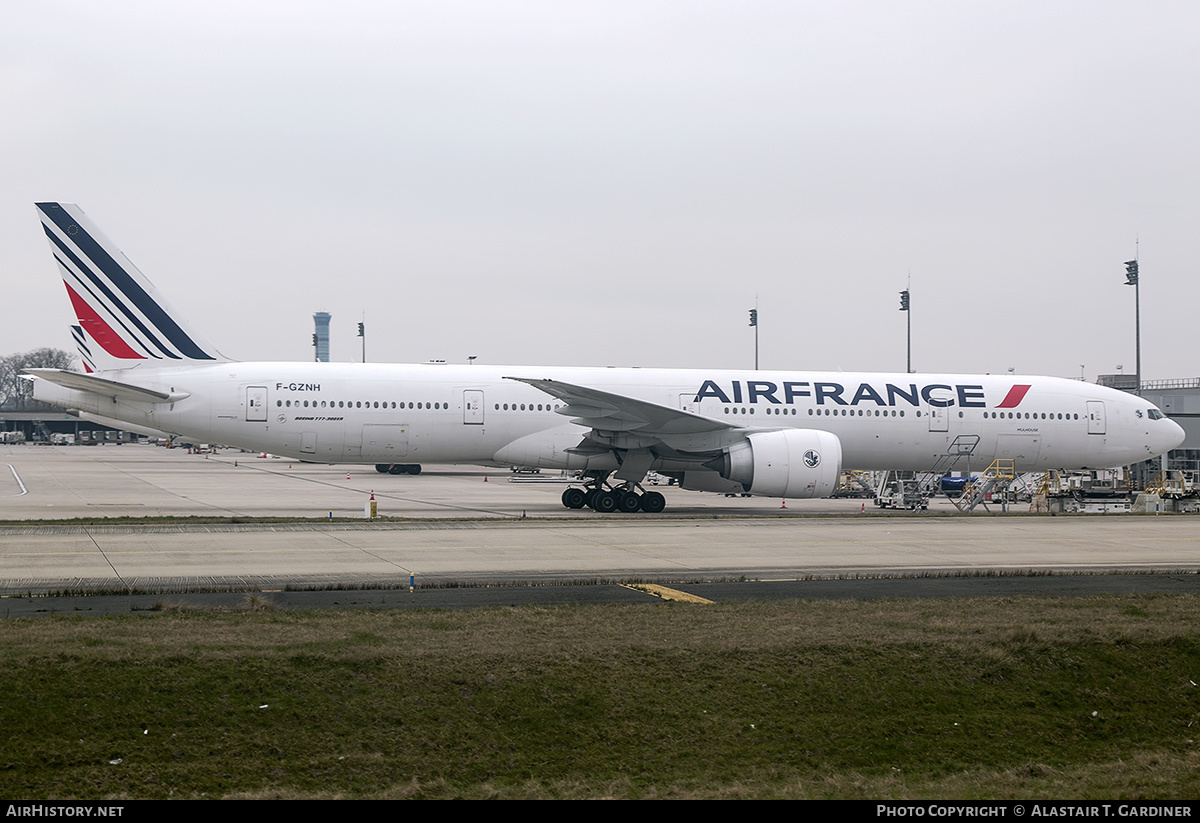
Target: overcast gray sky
(617, 183)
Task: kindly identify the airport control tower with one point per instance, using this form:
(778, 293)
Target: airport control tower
(321, 336)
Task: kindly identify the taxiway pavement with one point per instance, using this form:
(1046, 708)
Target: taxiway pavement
(472, 525)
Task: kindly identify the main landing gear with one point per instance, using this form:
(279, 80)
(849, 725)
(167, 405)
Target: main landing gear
(398, 468)
(613, 500)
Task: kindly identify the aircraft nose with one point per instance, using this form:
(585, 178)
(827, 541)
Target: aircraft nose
(1173, 436)
(1163, 435)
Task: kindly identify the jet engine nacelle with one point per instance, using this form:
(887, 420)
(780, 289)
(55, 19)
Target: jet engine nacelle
(795, 463)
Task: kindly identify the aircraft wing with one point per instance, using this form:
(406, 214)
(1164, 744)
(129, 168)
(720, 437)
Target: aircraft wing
(639, 421)
(105, 388)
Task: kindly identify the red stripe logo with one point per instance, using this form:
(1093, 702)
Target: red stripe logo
(1014, 397)
(100, 331)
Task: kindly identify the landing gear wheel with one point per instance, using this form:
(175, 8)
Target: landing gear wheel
(604, 501)
(574, 498)
(396, 468)
(382, 468)
(653, 502)
(629, 502)
(414, 469)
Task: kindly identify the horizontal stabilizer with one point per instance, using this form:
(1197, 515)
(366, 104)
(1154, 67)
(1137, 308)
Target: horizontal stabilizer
(105, 388)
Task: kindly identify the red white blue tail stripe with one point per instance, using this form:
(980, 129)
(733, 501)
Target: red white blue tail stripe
(117, 307)
(85, 351)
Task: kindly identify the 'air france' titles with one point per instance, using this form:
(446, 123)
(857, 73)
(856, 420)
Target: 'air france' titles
(938, 395)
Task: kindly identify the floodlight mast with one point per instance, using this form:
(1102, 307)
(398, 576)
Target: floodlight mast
(1132, 279)
(754, 323)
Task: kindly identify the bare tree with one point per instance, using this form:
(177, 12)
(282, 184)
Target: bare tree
(15, 391)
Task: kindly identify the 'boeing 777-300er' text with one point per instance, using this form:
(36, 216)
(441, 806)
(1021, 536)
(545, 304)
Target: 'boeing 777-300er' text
(773, 433)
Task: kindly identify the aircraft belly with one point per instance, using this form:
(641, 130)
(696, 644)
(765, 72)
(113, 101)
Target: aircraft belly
(552, 449)
(897, 449)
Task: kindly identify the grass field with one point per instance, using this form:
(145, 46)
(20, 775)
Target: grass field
(981, 698)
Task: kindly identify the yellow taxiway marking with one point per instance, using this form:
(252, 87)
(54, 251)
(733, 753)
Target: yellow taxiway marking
(666, 593)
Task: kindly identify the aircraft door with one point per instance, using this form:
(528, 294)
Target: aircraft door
(1095, 415)
(473, 407)
(256, 404)
(1024, 450)
(939, 420)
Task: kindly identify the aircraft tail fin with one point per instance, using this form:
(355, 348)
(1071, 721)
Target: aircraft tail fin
(123, 320)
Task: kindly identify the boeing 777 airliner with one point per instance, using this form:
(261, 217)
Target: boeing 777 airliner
(774, 433)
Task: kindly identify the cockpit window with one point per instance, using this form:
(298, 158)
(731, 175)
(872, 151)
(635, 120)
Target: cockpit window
(1155, 414)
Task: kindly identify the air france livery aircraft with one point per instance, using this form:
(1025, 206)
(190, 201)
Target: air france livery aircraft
(773, 433)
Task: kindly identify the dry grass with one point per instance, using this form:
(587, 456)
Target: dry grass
(875, 699)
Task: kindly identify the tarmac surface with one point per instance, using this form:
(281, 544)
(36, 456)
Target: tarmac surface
(470, 526)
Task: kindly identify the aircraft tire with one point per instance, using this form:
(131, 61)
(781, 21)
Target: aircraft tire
(653, 502)
(574, 498)
(415, 468)
(382, 468)
(604, 501)
(629, 502)
(397, 468)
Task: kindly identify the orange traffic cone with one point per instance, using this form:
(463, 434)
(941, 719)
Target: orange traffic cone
(784, 502)
(347, 475)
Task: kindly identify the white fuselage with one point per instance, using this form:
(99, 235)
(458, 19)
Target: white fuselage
(368, 413)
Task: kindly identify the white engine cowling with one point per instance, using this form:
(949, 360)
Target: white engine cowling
(793, 463)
